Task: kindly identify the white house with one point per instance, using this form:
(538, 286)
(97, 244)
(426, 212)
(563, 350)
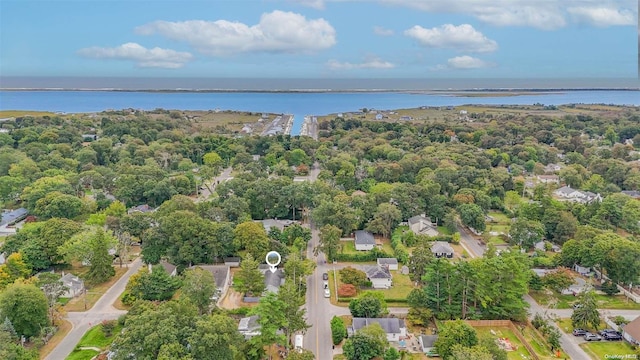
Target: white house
(249, 327)
(389, 263)
(395, 328)
(548, 179)
(379, 276)
(364, 241)
(427, 344)
(584, 197)
(422, 225)
(75, 285)
(441, 249)
(631, 332)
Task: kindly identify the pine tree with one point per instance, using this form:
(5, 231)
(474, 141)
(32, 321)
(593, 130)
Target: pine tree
(101, 268)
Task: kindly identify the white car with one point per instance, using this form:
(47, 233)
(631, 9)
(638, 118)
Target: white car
(327, 293)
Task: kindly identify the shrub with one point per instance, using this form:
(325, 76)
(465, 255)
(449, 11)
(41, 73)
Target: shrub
(128, 298)
(620, 320)
(353, 276)
(538, 321)
(338, 330)
(347, 291)
(107, 327)
(609, 288)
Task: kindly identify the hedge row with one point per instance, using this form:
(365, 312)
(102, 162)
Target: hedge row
(372, 255)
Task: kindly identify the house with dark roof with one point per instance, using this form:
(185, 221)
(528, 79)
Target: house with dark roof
(573, 195)
(222, 276)
(395, 328)
(379, 276)
(442, 249)
(389, 263)
(279, 224)
(427, 344)
(273, 280)
(422, 225)
(364, 240)
(249, 327)
(169, 268)
(232, 261)
(631, 332)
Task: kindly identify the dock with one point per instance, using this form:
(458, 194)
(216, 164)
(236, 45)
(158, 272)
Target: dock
(310, 127)
(281, 125)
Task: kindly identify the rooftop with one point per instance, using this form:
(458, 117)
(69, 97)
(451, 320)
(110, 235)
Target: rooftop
(364, 238)
(219, 273)
(377, 272)
(389, 325)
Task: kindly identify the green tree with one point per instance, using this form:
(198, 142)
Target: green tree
(52, 288)
(557, 280)
(368, 343)
(270, 311)
(212, 159)
(303, 354)
(477, 352)
(385, 219)
(526, 233)
(420, 259)
(292, 299)
(199, 286)
(329, 241)
(155, 285)
(92, 247)
(586, 313)
(26, 307)
(215, 337)
(369, 304)
(10, 350)
(472, 215)
(251, 236)
(391, 354)
(452, 333)
(13, 269)
(349, 275)
(57, 204)
(338, 330)
(249, 279)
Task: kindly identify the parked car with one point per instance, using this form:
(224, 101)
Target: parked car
(579, 332)
(327, 293)
(592, 337)
(325, 276)
(326, 284)
(606, 331)
(612, 336)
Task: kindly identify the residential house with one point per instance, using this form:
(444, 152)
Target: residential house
(379, 276)
(427, 344)
(631, 332)
(233, 262)
(378, 116)
(542, 246)
(422, 225)
(171, 269)
(75, 285)
(633, 193)
(582, 270)
(273, 280)
(584, 197)
(548, 179)
(280, 224)
(144, 208)
(249, 327)
(395, 328)
(442, 249)
(364, 240)
(222, 276)
(3, 258)
(552, 168)
(389, 263)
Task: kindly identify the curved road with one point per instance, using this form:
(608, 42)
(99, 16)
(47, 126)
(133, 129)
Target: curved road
(102, 310)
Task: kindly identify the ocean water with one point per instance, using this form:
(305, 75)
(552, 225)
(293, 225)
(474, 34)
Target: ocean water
(297, 103)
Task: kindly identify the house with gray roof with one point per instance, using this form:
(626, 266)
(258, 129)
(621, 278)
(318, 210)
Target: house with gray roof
(633, 193)
(144, 208)
(442, 249)
(567, 193)
(379, 276)
(222, 276)
(427, 344)
(249, 327)
(389, 263)
(395, 328)
(279, 224)
(171, 269)
(364, 240)
(422, 225)
(273, 280)
(75, 285)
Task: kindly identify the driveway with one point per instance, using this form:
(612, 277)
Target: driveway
(102, 310)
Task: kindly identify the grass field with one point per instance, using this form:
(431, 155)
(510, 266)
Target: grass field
(539, 344)
(16, 113)
(87, 354)
(616, 302)
(96, 338)
(519, 353)
(565, 325)
(600, 349)
(400, 289)
(93, 293)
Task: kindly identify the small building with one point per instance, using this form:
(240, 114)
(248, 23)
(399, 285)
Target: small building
(233, 262)
(582, 270)
(422, 225)
(364, 240)
(548, 179)
(378, 116)
(633, 193)
(249, 327)
(75, 285)
(442, 249)
(395, 328)
(583, 197)
(427, 344)
(144, 208)
(404, 270)
(379, 276)
(631, 332)
(542, 246)
(222, 276)
(3, 258)
(279, 224)
(552, 168)
(171, 269)
(389, 263)
(273, 280)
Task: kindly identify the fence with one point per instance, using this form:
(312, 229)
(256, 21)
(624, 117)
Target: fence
(508, 324)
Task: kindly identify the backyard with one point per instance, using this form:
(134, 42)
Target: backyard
(539, 344)
(616, 302)
(519, 351)
(495, 228)
(395, 296)
(604, 349)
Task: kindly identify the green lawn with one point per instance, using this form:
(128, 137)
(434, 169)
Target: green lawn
(499, 217)
(400, 289)
(504, 332)
(95, 337)
(349, 247)
(616, 302)
(63, 301)
(539, 344)
(82, 355)
(600, 349)
(565, 325)
(444, 231)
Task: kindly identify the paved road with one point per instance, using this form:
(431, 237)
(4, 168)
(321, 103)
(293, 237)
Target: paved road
(102, 310)
(224, 176)
(470, 243)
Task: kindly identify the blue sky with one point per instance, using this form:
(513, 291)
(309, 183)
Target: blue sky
(320, 38)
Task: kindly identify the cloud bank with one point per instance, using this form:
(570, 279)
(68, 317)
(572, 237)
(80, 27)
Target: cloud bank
(143, 57)
(463, 37)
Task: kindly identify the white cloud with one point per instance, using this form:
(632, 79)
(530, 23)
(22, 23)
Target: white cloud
(603, 16)
(277, 31)
(156, 57)
(374, 63)
(466, 62)
(463, 37)
(379, 30)
(545, 15)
